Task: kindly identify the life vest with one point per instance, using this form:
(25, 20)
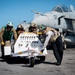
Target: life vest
(7, 35)
(56, 34)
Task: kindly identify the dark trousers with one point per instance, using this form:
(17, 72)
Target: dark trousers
(2, 50)
(57, 47)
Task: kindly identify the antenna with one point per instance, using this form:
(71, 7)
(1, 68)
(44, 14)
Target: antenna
(37, 12)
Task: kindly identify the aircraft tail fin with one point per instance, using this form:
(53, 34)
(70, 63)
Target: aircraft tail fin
(72, 8)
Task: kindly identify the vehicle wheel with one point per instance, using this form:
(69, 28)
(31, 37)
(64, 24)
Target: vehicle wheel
(42, 58)
(31, 62)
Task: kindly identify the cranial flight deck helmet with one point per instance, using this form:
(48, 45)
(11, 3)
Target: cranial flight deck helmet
(10, 24)
(43, 27)
(20, 27)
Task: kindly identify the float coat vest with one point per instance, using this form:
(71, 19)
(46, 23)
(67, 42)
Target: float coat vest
(56, 34)
(7, 35)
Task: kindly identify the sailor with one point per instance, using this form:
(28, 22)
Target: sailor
(33, 28)
(6, 34)
(19, 29)
(53, 37)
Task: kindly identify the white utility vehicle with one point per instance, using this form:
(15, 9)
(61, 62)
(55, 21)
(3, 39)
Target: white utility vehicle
(27, 45)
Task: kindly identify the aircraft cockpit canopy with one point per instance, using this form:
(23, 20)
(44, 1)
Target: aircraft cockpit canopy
(61, 8)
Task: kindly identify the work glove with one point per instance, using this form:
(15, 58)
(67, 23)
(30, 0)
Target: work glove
(2, 43)
(42, 50)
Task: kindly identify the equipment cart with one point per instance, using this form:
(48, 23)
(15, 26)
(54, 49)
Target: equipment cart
(27, 45)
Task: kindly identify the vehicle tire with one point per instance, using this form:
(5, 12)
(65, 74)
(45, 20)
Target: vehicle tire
(42, 58)
(31, 62)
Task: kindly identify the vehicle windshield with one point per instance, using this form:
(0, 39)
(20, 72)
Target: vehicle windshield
(61, 8)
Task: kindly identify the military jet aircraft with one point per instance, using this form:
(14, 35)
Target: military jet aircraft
(61, 18)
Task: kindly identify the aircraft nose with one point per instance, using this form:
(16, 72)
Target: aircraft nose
(41, 20)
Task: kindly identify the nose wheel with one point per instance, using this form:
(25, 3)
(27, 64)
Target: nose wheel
(31, 62)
